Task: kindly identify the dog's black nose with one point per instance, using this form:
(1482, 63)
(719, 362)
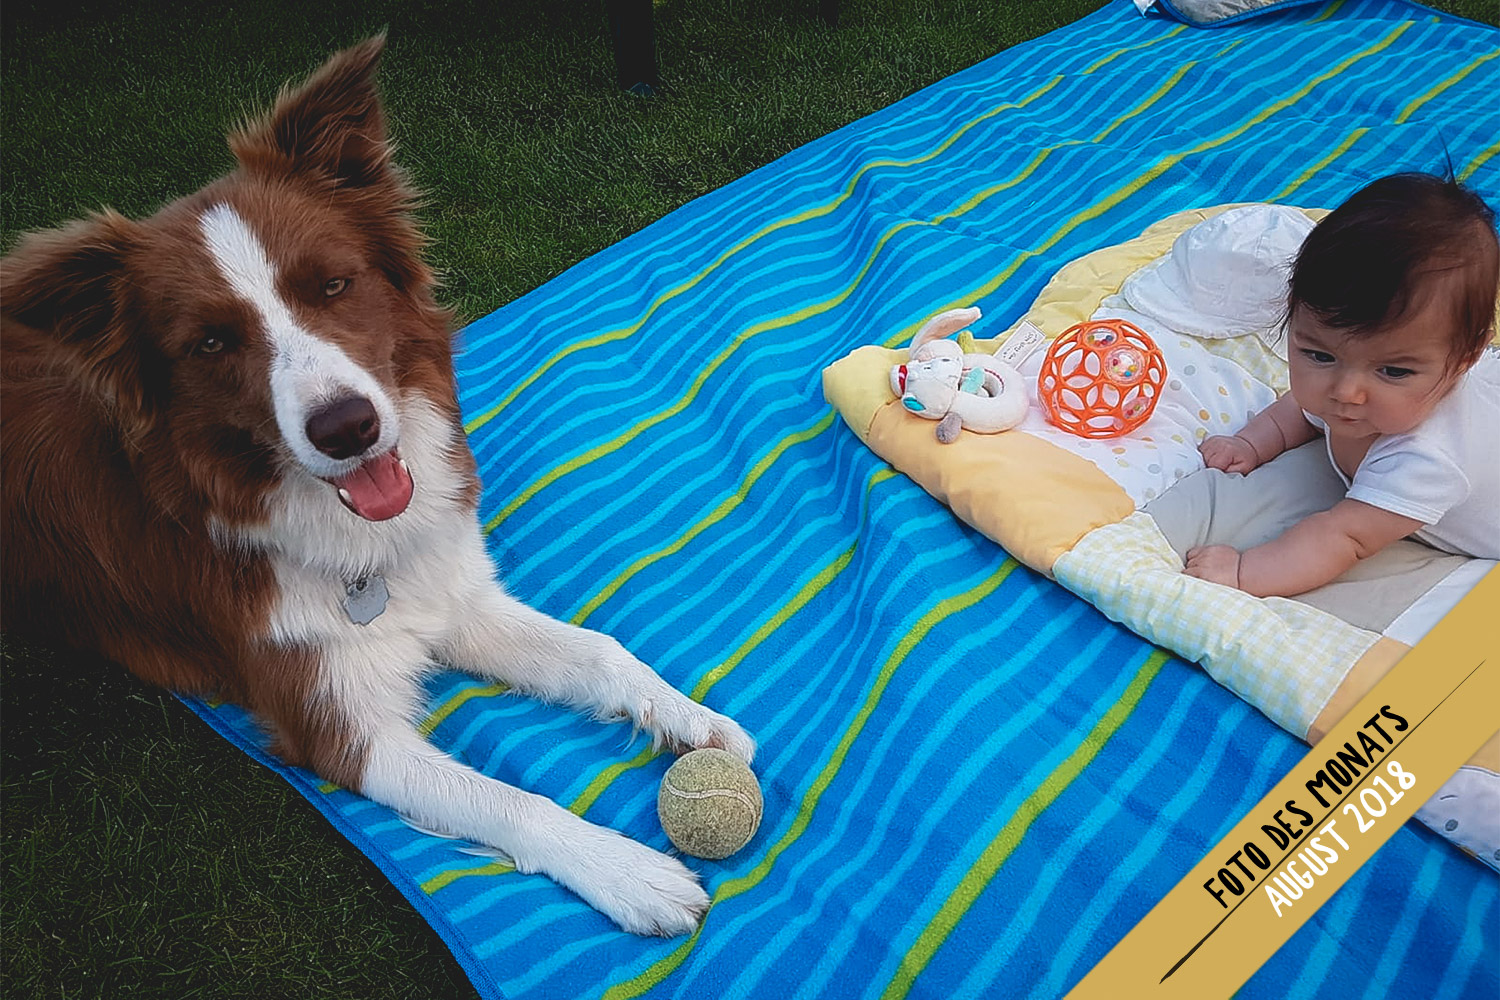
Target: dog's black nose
(344, 428)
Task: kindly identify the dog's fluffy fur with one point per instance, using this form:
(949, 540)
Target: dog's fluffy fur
(219, 418)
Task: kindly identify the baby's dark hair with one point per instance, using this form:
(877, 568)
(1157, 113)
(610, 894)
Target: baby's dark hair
(1395, 243)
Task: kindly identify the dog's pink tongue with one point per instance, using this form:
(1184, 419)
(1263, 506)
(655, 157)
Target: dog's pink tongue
(378, 490)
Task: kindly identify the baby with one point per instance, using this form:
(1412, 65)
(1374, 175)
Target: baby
(1391, 306)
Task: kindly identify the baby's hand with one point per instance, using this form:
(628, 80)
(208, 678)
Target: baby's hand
(1214, 563)
(1228, 454)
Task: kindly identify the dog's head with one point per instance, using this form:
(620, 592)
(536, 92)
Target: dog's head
(268, 325)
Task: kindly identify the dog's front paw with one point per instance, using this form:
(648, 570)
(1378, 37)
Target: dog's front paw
(682, 724)
(674, 720)
(660, 896)
(641, 889)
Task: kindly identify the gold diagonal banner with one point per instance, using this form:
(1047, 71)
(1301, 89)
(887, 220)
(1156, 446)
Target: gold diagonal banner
(1328, 816)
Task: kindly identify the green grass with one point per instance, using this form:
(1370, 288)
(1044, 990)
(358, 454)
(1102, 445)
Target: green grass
(506, 115)
(142, 856)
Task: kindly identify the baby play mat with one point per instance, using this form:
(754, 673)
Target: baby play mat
(1111, 518)
(976, 781)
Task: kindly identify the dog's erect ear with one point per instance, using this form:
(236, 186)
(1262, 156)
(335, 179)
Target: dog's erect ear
(72, 284)
(332, 130)
(332, 125)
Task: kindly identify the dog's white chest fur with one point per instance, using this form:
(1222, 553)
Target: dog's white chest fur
(430, 560)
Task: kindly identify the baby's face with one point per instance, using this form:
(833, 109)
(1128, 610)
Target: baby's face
(1375, 384)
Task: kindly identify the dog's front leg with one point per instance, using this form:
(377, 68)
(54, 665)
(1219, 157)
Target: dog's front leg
(640, 889)
(498, 637)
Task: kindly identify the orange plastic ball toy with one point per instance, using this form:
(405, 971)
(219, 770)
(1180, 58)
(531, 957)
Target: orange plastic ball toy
(1101, 378)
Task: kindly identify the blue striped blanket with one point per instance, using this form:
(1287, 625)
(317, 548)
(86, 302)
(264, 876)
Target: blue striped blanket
(975, 784)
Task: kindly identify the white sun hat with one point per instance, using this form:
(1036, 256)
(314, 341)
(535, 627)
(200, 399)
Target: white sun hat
(1226, 276)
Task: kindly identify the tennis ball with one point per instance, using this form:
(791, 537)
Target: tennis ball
(709, 804)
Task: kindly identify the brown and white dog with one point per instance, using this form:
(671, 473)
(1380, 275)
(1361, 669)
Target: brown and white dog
(233, 461)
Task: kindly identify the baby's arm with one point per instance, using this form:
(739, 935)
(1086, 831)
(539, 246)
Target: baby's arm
(1309, 554)
(1279, 427)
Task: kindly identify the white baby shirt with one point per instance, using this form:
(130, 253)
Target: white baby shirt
(1444, 473)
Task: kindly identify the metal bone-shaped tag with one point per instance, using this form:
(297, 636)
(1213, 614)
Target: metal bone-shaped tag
(365, 599)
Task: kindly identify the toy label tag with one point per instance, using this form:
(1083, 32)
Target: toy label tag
(1020, 344)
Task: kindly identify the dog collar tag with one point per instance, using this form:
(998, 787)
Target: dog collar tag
(365, 599)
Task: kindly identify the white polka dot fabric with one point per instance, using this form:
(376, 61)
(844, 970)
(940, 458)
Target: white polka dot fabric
(1206, 393)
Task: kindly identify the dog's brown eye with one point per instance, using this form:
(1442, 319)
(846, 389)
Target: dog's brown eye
(335, 286)
(209, 345)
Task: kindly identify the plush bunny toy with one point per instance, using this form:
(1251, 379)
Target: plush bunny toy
(942, 383)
